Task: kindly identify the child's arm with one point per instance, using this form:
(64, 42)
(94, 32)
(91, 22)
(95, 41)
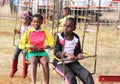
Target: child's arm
(80, 56)
(16, 31)
(23, 44)
(78, 48)
(58, 49)
(50, 40)
(79, 51)
(70, 57)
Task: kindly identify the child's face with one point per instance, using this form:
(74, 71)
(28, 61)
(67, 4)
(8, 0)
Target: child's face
(64, 12)
(24, 20)
(36, 22)
(69, 27)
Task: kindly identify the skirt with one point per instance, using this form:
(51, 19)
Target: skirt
(36, 53)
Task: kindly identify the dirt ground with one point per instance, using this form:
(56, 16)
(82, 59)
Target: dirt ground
(108, 55)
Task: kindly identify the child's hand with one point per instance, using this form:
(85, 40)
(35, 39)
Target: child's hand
(80, 56)
(34, 47)
(16, 31)
(47, 46)
(71, 57)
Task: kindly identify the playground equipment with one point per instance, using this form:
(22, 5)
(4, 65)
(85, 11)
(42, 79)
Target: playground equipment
(84, 16)
(110, 79)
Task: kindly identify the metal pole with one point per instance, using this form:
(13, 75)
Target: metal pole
(16, 23)
(46, 8)
(96, 41)
(37, 6)
(53, 17)
(29, 6)
(86, 25)
(119, 8)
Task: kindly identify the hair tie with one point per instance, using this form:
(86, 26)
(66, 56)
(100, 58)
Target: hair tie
(25, 14)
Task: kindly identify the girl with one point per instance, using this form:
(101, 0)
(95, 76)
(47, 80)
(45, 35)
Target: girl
(26, 21)
(34, 41)
(68, 49)
(66, 14)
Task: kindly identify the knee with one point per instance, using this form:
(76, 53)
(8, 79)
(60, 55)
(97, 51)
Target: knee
(44, 63)
(24, 53)
(87, 74)
(70, 76)
(33, 61)
(71, 79)
(44, 60)
(88, 78)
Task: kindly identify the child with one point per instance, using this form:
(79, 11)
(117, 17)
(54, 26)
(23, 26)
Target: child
(11, 6)
(16, 5)
(68, 48)
(34, 41)
(66, 14)
(26, 21)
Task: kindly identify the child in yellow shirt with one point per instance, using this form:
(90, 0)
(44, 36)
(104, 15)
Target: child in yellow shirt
(34, 41)
(66, 14)
(26, 22)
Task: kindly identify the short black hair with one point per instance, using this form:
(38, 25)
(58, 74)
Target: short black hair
(67, 9)
(73, 20)
(38, 16)
(29, 16)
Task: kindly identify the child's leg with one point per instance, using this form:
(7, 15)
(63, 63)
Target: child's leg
(83, 74)
(16, 53)
(25, 65)
(33, 62)
(44, 62)
(69, 75)
(15, 61)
